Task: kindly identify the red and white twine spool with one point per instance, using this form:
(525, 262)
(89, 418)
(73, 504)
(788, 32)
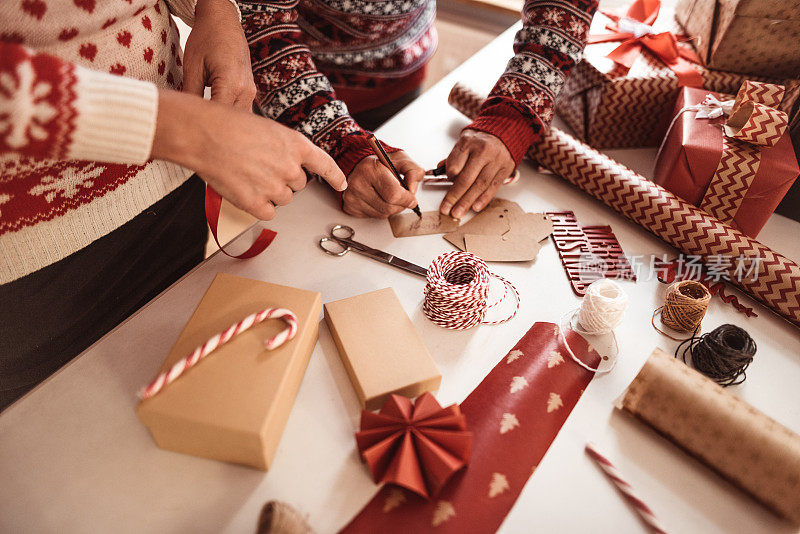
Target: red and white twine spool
(457, 292)
(180, 367)
(626, 489)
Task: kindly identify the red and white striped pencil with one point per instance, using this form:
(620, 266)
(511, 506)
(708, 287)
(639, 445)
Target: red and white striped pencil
(622, 485)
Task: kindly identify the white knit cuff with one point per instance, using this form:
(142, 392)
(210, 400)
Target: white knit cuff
(116, 118)
(184, 10)
(238, 11)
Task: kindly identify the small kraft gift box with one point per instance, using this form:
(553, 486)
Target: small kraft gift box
(756, 37)
(232, 405)
(737, 168)
(621, 94)
(380, 348)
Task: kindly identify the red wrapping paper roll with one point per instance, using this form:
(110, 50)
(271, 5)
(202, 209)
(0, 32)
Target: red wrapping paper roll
(682, 225)
(515, 413)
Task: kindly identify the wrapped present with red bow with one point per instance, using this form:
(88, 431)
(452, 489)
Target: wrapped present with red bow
(634, 65)
(732, 158)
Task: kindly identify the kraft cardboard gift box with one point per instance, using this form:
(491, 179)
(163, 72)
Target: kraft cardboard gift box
(380, 348)
(233, 405)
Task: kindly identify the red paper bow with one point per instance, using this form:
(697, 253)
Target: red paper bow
(418, 447)
(635, 33)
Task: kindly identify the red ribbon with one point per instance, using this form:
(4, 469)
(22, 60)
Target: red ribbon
(213, 208)
(664, 45)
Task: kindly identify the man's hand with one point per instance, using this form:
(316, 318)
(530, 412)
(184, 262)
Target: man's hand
(217, 55)
(373, 191)
(253, 162)
(478, 165)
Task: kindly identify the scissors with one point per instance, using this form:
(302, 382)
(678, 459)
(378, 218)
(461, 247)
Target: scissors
(341, 236)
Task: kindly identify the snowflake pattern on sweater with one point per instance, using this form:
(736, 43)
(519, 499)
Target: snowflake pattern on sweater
(78, 97)
(546, 49)
(298, 46)
(304, 49)
(37, 115)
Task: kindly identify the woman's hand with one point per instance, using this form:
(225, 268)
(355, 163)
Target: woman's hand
(253, 162)
(217, 55)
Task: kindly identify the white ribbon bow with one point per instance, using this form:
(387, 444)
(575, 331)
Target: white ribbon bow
(712, 107)
(638, 29)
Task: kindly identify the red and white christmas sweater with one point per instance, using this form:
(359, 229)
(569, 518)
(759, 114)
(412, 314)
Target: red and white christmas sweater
(79, 86)
(312, 59)
(78, 97)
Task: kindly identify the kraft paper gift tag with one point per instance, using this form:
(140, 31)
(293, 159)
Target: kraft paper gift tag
(500, 248)
(502, 232)
(493, 220)
(407, 224)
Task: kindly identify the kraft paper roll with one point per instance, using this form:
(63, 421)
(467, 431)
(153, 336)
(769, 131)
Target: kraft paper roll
(682, 225)
(756, 453)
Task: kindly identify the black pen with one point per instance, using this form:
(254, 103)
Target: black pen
(383, 157)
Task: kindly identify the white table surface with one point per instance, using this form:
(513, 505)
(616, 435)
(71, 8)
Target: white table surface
(74, 458)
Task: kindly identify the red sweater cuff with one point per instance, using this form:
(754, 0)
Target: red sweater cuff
(355, 149)
(515, 130)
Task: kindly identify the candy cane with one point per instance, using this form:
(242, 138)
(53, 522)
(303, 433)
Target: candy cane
(611, 472)
(180, 367)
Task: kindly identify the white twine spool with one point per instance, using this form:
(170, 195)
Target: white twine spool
(603, 307)
(601, 311)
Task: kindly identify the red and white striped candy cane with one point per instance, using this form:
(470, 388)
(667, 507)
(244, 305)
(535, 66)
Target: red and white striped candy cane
(457, 291)
(611, 472)
(180, 367)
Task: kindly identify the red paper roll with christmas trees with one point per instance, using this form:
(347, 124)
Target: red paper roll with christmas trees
(775, 278)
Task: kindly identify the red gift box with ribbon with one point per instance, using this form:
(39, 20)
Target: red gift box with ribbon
(621, 94)
(732, 158)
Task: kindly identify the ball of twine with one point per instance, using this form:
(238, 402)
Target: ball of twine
(457, 291)
(722, 354)
(601, 311)
(685, 306)
(603, 307)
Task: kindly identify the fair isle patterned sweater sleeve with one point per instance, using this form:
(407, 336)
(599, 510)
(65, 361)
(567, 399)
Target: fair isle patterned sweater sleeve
(51, 108)
(546, 49)
(290, 88)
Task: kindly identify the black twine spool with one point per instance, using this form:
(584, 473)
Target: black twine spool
(722, 354)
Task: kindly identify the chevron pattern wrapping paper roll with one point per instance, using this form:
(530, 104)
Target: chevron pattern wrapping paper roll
(682, 225)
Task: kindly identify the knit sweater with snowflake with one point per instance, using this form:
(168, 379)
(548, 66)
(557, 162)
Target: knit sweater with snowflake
(78, 97)
(79, 86)
(312, 59)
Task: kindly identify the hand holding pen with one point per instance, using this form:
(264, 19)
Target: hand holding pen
(383, 157)
(374, 191)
